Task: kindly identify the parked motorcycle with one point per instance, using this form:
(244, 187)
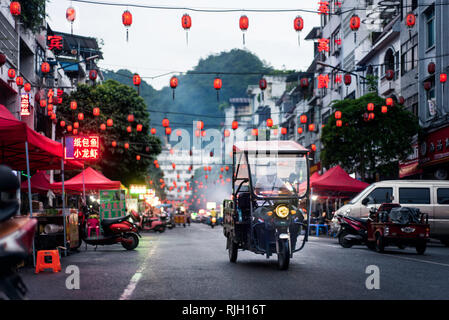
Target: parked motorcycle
(115, 230)
(16, 237)
(155, 224)
(353, 231)
(168, 222)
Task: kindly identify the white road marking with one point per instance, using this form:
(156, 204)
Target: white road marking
(126, 295)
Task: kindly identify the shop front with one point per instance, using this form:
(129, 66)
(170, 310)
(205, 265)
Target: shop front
(434, 154)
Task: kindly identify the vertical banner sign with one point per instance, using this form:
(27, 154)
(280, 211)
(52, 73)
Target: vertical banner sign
(82, 147)
(25, 104)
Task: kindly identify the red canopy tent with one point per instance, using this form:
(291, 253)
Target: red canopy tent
(92, 180)
(338, 181)
(313, 177)
(40, 183)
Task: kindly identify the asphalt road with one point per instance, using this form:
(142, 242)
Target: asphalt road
(192, 263)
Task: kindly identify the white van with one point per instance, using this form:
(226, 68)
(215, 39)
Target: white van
(430, 196)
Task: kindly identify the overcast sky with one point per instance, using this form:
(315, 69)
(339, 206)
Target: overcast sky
(157, 42)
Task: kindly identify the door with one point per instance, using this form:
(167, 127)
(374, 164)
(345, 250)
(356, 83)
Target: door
(418, 198)
(374, 199)
(441, 211)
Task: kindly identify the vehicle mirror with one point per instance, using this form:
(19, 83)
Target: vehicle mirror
(365, 201)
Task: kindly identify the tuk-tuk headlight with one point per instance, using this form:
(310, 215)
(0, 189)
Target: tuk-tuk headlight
(282, 211)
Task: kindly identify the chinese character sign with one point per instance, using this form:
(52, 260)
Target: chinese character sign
(54, 42)
(82, 148)
(323, 45)
(323, 7)
(323, 81)
(25, 104)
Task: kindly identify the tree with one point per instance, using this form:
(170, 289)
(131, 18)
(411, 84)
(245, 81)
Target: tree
(33, 14)
(368, 147)
(115, 101)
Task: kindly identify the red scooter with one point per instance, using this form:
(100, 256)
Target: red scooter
(115, 230)
(148, 224)
(353, 231)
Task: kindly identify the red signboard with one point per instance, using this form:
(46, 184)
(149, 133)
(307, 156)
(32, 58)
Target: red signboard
(54, 42)
(410, 166)
(82, 147)
(435, 148)
(25, 104)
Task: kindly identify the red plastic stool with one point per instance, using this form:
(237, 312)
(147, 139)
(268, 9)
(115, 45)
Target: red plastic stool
(55, 263)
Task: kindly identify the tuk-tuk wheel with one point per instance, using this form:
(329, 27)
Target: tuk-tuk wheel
(283, 255)
(380, 245)
(232, 250)
(421, 247)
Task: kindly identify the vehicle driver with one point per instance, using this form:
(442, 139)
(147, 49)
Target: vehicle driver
(270, 182)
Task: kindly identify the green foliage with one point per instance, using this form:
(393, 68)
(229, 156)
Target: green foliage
(33, 13)
(115, 101)
(368, 147)
(372, 83)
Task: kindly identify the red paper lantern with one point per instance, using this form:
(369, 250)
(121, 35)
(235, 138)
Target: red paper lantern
(371, 116)
(338, 123)
(109, 122)
(427, 85)
(19, 81)
(203, 133)
(303, 118)
(2, 59)
(218, 83)
(27, 87)
(50, 107)
(200, 125)
(43, 103)
(165, 123)
(153, 130)
(15, 8)
(262, 84)
(96, 112)
(93, 75)
(53, 116)
(70, 14)
(443, 78)
(389, 74)
(298, 23)
(103, 126)
(173, 165)
(137, 157)
(347, 79)
(168, 131)
(75, 131)
(244, 23)
(80, 116)
(73, 105)
(354, 22)
(389, 102)
(370, 106)
(410, 20)
(226, 133)
(269, 123)
(173, 82)
(401, 100)
(62, 123)
(76, 125)
(431, 67)
(127, 19)
(69, 128)
(313, 147)
(304, 83)
(147, 149)
(384, 109)
(136, 80)
(234, 125)
(130, 118)
(312, 127)
(227, 168)
(129, 129)
(186, 21)
(337, 114)
(139, 127)
(126, 145)
(45, 67)
(255, 132)
(300, 130)
(11, 73)
(283, 131)
(114, 143)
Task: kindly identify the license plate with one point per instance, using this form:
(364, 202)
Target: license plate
(408, 229)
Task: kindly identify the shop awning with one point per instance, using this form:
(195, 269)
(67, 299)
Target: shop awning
(338, 180)
(44, 153)
(40, 183)
(93, 180)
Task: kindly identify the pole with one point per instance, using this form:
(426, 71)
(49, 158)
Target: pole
(63, 195)
(29, 194)
(309, 213)
(84, 189)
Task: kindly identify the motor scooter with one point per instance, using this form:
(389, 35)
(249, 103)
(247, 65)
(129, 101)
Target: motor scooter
(115, 230)
(16, 237)
(213, 222)
(168, 222)
(353, 231)
(155, 224)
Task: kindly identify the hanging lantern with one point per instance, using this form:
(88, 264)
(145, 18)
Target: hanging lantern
(168, 131)
(255, 132)
(109, 122)
(178, 133)
(11, 73)
(443, 78)
(300, 130)
(384, 109)
(126, 145)
(298, 25)
(226, 133)
(347, 79)
(203, 133)
(73, 105)
(69, 128)
(431, 67)
(312, 127)
(50, 107)
(130, 118)
(283, 131)
(370, 106)
(234, 125)
(389, 102)
(227, 168)
(401, 100)
(173, 165)
(389, 74)
(173, 84)
(37, 96)
(427, 85)
(211, 154)
(354, 24)
(76, 125)
(45, 67)
(304, 83)
(365, 116)
(303, 118)
(139, 128)
(15, 8)
(410, 20)
(114, 143)
(217, 85)
(103, 126)
(153, 130)
(96, 111)
(371, 116)
(53, 116)
(200, 125)
(186, 23)
(147, 149)
(127, 19)
(313, 147)
(27, 87)
(137, 157)
(269, 123)
(337, 114)
(136, 80)
(129, 129)
(19, 81)
(165, 123)
(262, 86)
(80, 116)
(70, 15)
(43, 103)
(338, 123)
(93, 75)
(75, 131)
(2, 59)
(62, 123)
(244, 24)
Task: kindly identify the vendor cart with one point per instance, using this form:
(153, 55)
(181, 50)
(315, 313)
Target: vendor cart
(180, 219)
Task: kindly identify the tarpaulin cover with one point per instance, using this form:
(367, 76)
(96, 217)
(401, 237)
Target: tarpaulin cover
(93, 180)
(44, 153)
(337, 179)
(40, 183)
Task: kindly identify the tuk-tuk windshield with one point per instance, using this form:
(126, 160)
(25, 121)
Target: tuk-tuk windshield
(278, 176)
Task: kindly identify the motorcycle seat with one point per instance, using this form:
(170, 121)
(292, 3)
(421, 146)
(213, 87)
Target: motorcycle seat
(362, 220)
(107, 222)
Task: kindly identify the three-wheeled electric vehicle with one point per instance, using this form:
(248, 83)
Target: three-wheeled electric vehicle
(269, 180)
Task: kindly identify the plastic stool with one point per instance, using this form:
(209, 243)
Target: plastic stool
(55, 263)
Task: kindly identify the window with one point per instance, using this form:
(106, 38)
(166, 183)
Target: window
(409, 55)
(39, 59)
(381, 195)
(412, 104)
(408, 6)
(430, 28)
(443, 195)
(414, 195)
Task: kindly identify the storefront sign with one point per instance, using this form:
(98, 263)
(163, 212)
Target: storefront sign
(435, 148)
(25, 104)
(112, 204)
(54, 42)
(137, 189)
(411, 165)
(82, 147)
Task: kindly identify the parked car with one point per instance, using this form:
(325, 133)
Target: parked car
(430, 196)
